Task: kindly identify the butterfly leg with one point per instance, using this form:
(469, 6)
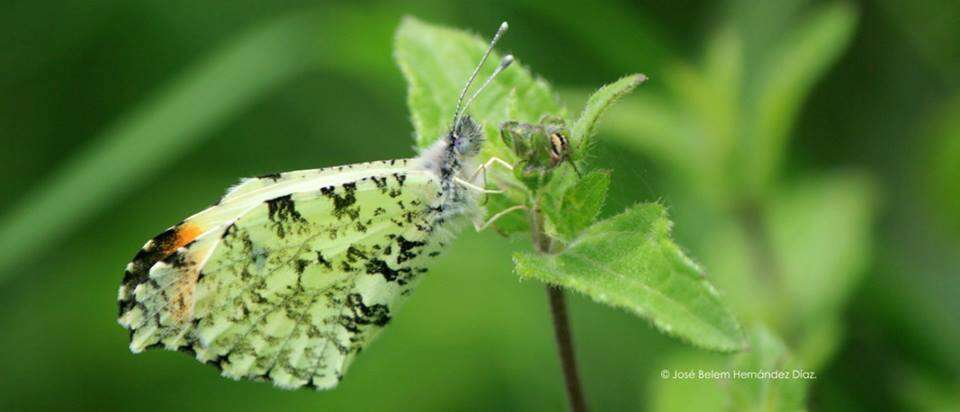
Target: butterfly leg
(472, 186)
(482, 171)
(490, 162)
(494, 218)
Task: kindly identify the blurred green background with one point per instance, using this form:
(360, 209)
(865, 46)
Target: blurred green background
(809, 153)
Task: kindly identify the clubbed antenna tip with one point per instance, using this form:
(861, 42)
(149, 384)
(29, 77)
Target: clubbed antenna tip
(503, 65)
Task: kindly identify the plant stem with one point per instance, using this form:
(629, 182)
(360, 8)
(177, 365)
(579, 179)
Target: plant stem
(561, 323)
(561, 328)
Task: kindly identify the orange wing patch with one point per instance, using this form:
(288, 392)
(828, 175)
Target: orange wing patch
(184, 233)
(159, 248)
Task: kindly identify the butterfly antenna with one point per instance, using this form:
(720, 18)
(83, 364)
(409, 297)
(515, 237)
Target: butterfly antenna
(463, 93)
(504, 63)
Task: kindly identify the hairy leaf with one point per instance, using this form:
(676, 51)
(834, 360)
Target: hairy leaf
(584, 127)
(629, 261)
(572, 210)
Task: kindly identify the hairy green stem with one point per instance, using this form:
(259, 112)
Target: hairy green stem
(561, 323)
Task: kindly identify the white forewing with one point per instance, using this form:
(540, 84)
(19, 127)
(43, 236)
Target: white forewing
(252, 191)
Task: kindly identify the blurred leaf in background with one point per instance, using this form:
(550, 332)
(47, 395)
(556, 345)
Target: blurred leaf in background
(944, 167)
(788, 252)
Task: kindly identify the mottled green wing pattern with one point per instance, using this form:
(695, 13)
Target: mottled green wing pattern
(205, 228)
(295, 285)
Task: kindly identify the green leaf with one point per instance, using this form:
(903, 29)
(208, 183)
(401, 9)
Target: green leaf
(942, 160)
(931, 28)
(436, 61)
(575, 208)
(818, 233)
(790, 72)
(768, 354)
(629, 261)
(585, 126)
(821, 231)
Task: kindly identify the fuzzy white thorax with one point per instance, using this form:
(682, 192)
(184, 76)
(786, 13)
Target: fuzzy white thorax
(453, 157)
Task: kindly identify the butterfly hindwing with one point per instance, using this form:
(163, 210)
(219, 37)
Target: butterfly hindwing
(289, 288)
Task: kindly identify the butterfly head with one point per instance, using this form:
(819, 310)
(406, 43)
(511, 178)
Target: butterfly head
(466, 137)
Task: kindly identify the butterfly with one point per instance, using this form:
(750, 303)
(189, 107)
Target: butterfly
(289, 276)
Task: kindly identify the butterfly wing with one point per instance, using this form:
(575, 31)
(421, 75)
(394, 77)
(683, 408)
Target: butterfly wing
(287, 287)
(239, 199)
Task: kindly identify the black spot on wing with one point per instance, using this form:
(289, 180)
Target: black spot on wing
(282, 208)
(381, 183)
(150, 255)
(271, 176)
(177, 260)
(343, 202)
(354, 254)
(138, 271)
(377, 266)
(282, 211)
(409, 249)
(400, 178)
(362, 316)
(323, 261)
(301, 265)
